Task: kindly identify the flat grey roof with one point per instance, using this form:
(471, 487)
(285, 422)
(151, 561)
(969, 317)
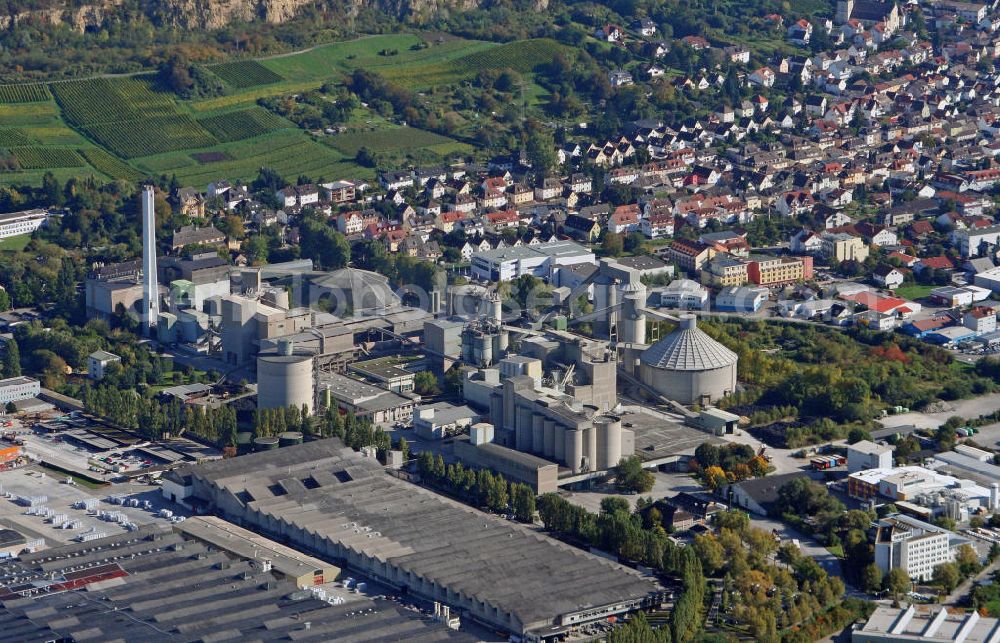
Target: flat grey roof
(360, 507)
(162, 586)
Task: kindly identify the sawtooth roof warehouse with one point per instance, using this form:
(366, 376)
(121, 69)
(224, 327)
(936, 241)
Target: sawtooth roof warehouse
(324, 498)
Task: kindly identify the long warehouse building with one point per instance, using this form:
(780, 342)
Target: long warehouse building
(324, 498)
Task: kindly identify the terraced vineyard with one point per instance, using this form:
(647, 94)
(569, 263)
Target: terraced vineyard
(110, 165)
(33, 93)
(243, 124)
(128, 117)
(10, 137)
(40, 158)
(245, 73)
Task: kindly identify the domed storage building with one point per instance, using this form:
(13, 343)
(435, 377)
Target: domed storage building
(688, 366)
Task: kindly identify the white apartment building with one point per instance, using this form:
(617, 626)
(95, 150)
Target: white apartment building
(914, 546)
(17, 223)
(14, 389)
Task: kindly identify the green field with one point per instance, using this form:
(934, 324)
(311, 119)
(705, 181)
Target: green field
(32, 93)
(129, 127)
(15, 244)
(393, 140)
(40, 158)
(128, 117)
(245, 73)
(110, 165)
(913, 291)
(243, 124)
(10, 137)
(290, 152)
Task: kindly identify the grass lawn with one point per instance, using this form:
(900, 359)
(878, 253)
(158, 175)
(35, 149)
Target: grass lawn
(836, 550)
(15, 244)
(914, 291)
(61, 474)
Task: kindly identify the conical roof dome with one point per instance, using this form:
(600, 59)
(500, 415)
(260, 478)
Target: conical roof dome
(688, 349)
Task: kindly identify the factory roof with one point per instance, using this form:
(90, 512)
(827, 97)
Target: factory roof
(155, 584)
(353, 502)
(869, 447)
(928, 624)
(538, 251)
(688, 349)
(915, 480)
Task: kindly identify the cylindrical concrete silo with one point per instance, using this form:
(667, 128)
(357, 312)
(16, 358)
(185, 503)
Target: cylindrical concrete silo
(609, 442)
(632, 322)
(285, 378)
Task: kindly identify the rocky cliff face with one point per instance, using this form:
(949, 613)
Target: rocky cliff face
(215, 14)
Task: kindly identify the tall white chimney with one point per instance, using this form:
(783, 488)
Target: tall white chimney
(994, 496)
(150, 289)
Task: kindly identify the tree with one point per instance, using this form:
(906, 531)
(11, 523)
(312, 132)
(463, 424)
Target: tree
(631, 477)
(947, 576)
(613, 244)
(11, 359)
(967, 560)
(871, 578)
(611, 505)
(426, 383)
(523, 502)
(10, 407)
(541, 151)
(897, 582)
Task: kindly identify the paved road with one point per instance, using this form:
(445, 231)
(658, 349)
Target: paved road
(810, 547)
(966, 586)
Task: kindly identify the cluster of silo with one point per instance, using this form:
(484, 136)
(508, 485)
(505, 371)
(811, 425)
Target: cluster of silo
(621, 295)
(581, 444)
(285, 378)
(484, 343)
(688, 366)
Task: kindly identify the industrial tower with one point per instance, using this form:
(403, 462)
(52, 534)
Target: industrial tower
(150, 290)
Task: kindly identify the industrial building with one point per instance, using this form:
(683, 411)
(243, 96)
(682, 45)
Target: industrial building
(208, 583)
(365, 401)
(925, 624)
(504, 264)
(346, 508)
(286, 377)
(865, 454)
(688, 366)
(924, 492)
(15, 389)
(916, 547)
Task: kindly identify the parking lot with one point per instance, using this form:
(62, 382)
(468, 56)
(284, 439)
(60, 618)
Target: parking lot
(66, 502)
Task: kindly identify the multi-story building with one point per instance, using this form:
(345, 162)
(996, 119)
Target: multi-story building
(689, 255)
(914, 546)
(13, 224)
(841, 246)
(725, 270)
(777, 271)
(14, 389)
(504, 264)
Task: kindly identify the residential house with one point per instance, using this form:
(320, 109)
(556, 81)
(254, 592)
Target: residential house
(888, 276)
(582, 228)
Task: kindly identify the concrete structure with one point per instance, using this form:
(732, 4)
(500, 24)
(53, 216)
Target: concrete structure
(98, 362)
(932, 492)
(925, 624)
(916, 547)
(868, 455)
(539, 260)
(443, 337)
(841, 246)
(14, 389)
(364, 400)
(150, 289)
(286, 378)
(689, 366)
(13, 224)
(685, 294)
(540, 474)
(347, 509)
(441, 419)
(387, 372)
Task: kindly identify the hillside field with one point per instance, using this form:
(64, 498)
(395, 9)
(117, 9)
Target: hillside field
(130, 127)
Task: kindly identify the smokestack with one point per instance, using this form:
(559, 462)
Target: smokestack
(994, 496)
(150, 287)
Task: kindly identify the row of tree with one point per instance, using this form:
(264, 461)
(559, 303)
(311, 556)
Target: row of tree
(482, 488)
